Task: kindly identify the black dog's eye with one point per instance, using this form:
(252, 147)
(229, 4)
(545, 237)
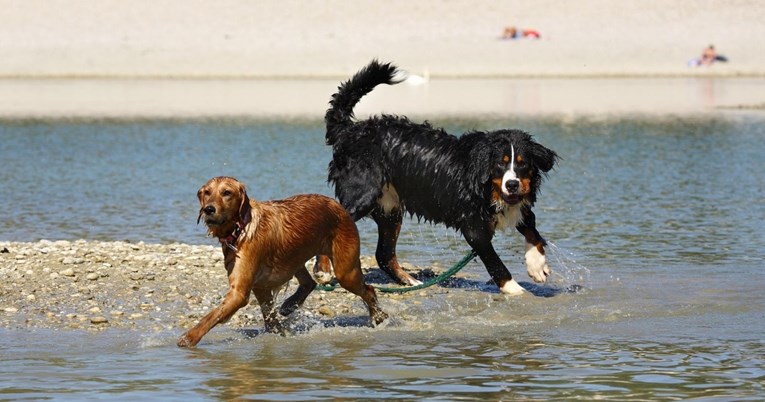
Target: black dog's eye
(521, 163)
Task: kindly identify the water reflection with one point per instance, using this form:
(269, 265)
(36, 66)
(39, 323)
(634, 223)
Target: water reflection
(418, 366)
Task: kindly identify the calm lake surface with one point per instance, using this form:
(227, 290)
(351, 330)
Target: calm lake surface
(658, 249)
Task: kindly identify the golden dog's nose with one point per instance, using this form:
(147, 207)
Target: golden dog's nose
(209, 210)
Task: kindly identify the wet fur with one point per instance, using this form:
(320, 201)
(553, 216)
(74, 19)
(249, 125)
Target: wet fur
(386, 166)
(275, 240)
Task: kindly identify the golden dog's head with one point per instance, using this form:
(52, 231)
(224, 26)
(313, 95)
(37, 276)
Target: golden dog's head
(224, 203)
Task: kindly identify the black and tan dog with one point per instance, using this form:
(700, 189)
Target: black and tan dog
(265, 244)
(478, 183)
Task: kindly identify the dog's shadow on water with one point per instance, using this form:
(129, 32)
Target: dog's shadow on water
(378, 278)
(301, 324)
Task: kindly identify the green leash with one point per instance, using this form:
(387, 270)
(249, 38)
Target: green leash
(440, 278)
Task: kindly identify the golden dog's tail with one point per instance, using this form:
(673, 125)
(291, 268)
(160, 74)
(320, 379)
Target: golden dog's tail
(349, 93)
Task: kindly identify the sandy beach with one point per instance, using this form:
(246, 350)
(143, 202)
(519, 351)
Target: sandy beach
(266, 39)
(91, 58)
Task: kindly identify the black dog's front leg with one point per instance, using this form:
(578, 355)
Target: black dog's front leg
(480, 240)
(536, 263)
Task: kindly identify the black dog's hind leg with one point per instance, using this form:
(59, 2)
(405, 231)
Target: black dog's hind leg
(388, 228)
(480, 241)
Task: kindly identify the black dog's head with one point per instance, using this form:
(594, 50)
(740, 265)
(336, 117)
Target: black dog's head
(512, 163)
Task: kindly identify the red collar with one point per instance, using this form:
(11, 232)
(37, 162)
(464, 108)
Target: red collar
(230, 240)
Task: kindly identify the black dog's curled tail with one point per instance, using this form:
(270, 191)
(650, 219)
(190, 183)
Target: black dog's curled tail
(349, 93)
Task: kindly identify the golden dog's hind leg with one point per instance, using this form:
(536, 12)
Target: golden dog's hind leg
(306, 285)
(266, 300)
(355, 284)
(349, 275)
(375, 312)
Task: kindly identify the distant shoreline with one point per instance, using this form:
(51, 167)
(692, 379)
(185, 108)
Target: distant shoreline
(307, 99)
(700, 72)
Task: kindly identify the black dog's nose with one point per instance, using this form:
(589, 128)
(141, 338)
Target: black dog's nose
(512, 186)
(209, 210)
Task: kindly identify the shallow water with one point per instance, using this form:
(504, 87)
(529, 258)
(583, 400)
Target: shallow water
(657, 248)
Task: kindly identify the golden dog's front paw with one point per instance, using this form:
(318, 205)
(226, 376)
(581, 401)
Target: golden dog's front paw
(186, 341)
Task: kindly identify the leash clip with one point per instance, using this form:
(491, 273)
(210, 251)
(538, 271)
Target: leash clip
(231, 239)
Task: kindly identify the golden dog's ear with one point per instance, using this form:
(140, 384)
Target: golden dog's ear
(201, 203)
(244, 206)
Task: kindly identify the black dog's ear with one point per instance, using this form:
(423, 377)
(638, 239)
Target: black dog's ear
(479, 171)
(544, 158)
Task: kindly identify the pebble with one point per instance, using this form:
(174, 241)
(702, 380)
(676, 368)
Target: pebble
(326, 311)
(98, 320)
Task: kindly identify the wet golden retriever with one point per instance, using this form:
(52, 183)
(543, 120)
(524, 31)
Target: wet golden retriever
(265, 244)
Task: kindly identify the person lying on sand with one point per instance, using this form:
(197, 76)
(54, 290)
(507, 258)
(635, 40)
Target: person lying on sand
(708, 57)
(512, 32)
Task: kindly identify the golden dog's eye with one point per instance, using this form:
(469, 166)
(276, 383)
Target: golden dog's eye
(226, 193)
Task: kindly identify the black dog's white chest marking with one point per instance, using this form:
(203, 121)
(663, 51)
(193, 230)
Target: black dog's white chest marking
(389, 199)
(508, 217)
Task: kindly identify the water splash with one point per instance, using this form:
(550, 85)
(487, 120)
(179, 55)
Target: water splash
(568, 273)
